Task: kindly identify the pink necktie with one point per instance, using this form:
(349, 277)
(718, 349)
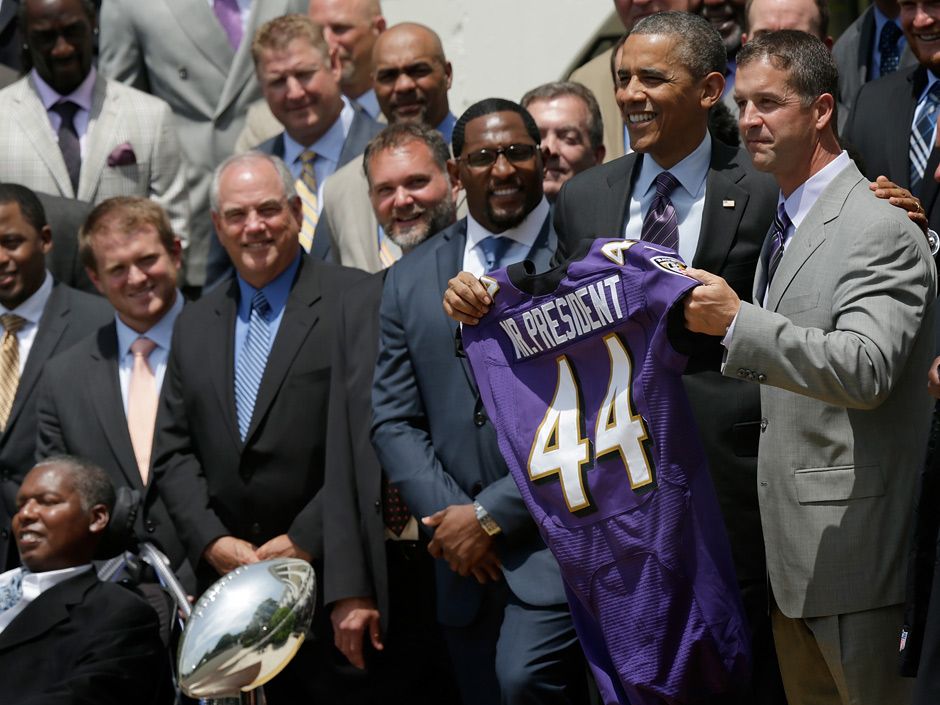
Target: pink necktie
(142, 405)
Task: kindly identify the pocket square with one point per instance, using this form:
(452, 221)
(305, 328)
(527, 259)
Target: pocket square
(122, 155)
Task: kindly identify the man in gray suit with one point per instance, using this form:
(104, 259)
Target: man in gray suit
(66, 130)
(179, 51)
(838, 336)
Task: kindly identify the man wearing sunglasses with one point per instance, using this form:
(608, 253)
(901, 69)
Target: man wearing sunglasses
(500, 598)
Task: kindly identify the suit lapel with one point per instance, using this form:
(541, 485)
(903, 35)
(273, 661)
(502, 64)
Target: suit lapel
(8, 11)
(300, 316)
(866, 36)
(31, 117)
(359, 134)
(220, 357)
(620, 184)
(102, 125)
(898, 133)
(199, 23)
(812, 232)
(724, 206)
(102, 385)
(47, 610)
(52, 325)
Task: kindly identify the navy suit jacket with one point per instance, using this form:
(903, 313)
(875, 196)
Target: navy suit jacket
(431, 433)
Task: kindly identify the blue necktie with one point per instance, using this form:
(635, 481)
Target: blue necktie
(778, 232)
(252, 361)
(661, 227)
(922, 138)
(11, 590)
(889, 49)
(494, 249)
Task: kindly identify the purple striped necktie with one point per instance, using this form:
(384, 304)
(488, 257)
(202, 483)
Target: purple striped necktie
(661, 227)
(778, 232)
(230, 17)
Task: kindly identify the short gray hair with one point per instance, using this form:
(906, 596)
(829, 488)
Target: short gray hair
(90, 482)
(558, 89)
(698, 45)
(290, 190)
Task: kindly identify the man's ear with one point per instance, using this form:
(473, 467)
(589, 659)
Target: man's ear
(713, 85)
(100, 516)
(453, 170)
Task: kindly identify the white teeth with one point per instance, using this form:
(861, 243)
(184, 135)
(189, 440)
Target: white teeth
(640, 117)
(928, 37)
(504, 191)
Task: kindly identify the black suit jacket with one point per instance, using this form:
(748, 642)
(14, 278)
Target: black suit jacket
(353, 526)
(11, 40)
(80, 412)
(65, 217)
(879, 128)
(738, 210)
(84, 642)
(69, 316)
(213, 483)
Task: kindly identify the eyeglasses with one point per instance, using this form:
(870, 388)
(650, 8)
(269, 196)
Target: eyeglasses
(515, 153)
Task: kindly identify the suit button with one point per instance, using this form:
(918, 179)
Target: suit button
(763, 483)
(763, 424)
(378, 506)
(184, 74)
(4, 534)
(761, 377)
(742, 372)
(476, 489)
(150, 527)
(479, 418)
(256, 528)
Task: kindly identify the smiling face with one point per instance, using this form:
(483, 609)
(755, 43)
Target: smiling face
(22, 256)
(255, 222)
(920, 21)
(60, 38)
(51, 527)
(301, 86)
(136, 274)
(411, 195)
(411, 76)
(499, 196)
(727, 18)
(664, 107)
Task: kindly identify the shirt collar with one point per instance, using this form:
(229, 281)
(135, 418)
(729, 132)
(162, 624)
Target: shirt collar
(33, 307)
(525, 233)
(275, 291)
(690, 172)
(34, 584)
(330, 144)
(446, 128)
(370, 103)
(81, 96)
(881, 19)
(806, 194)
(160, 333)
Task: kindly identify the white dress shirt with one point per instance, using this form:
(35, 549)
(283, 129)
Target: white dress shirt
(31, 311)
(523, 236)
(688, 198)
(34, 584)
(161, 334)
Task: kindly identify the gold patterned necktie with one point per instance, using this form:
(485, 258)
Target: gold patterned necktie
(306, 187)
(9, 364)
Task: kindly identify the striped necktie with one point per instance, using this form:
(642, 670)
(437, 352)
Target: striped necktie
(778, 237)
(9, 364)
(661, 227)
(922, 137)
(306, 187)
(386, 254)
(252, 361)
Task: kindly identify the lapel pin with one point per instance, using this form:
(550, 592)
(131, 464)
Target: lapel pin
(727, 203)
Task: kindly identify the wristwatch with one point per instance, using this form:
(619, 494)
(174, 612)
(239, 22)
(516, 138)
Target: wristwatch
(486, 521)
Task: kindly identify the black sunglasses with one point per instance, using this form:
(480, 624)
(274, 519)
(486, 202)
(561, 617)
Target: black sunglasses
(515, 153)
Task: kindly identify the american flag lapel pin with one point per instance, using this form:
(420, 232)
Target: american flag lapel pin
(727, 203)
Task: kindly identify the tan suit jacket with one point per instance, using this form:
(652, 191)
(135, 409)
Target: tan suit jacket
(595, 74)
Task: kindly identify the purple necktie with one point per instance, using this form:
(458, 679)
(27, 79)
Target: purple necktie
(777, 234)
(230, 17)
(660, 226)
(69, 143)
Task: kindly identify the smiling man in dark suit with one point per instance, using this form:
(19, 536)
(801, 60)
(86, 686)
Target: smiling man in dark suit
(241, 430)
(133, 257)
(41, 318)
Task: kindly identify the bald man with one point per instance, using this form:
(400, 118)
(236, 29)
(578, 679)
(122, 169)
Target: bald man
(351, 28)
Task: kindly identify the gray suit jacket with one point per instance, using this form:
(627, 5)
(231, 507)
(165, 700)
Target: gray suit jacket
(430, 431)
(177, 50)
(119, 115)
(841, 351)
(852, 53)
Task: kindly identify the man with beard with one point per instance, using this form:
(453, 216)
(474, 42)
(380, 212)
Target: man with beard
(571, 128)
(378, 575)
(511, 640)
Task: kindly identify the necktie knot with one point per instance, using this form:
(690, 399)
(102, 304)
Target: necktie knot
(259, 303)
(494, 248)
(665, 184)
(143, 347)
(307, 157)
(12, 323)
(230, 17)
(890, 33)
(66, 110)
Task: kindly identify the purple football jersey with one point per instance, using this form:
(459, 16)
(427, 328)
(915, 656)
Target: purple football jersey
(576, 369)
